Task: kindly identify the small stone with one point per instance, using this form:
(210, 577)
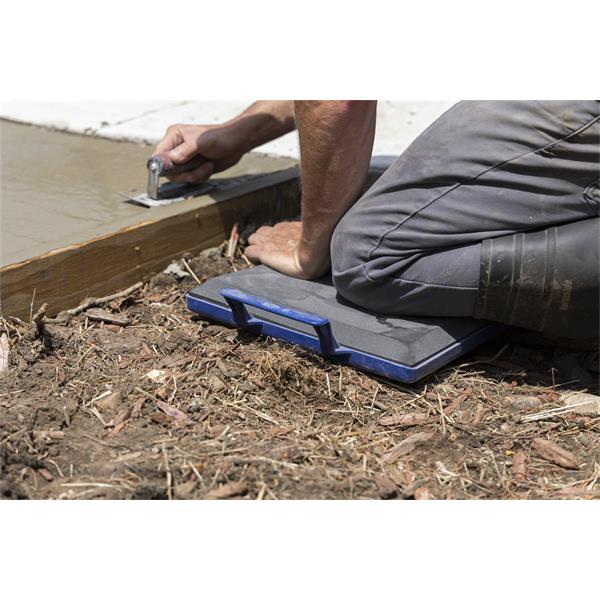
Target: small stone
(195, 404)
(290, 453)
(157, 375)
(216, 384)
(184, 490)
(400, 478)
(46, 474)
(109, 401)
(246, 386)
(585, 404)
(175, 270)
(523, 402)
(212, 330)
(228, 370)
(387, 488)
(162, 281)
(422, 493)
(164, 391)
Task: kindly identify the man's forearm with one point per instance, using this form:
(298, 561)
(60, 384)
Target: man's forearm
(336, 141)
(261, 122)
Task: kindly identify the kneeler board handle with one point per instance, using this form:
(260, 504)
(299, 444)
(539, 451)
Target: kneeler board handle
(237, 300)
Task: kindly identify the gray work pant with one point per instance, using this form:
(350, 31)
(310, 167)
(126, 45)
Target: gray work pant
(412, 244)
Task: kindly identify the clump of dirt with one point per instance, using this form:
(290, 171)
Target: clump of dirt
(170, 406)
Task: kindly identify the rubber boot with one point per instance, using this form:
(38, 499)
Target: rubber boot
(545, 281)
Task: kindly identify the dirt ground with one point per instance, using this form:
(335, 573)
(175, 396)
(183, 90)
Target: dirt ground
(161, 404)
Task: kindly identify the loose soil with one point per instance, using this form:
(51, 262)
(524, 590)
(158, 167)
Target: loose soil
(165, 405)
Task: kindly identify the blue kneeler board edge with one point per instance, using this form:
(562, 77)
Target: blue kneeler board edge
(233, 306)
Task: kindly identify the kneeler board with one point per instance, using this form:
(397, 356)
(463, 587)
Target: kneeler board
(312, 315)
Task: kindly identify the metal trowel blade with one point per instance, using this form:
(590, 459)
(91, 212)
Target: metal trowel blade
(169, 193)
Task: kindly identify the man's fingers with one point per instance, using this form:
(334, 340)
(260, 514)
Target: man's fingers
(262, 234)
(287, 226)
(176, 146)
(273, 255)
(198, 175)
(257, 252)
(264, 229)
(284, 232)
(270, 236)
(184, 151)
(172, 138)
(253, 253)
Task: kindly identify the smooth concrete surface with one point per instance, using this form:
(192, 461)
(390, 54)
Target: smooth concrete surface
(398, 122)
(58, 189)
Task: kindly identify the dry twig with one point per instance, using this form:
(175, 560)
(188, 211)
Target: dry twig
(190, 270)
(172, 412)
(553, 412)
(228, 490)
(40, 315)
(97, 314)
(407, 420)
(4, 352)
(233, 242)
(65, 315)
(555, 453)
(405, 446)
(519, 466)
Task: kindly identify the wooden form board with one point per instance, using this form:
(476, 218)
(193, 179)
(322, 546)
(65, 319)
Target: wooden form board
(64, 277)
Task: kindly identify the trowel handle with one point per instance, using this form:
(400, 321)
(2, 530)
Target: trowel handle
(164, 165)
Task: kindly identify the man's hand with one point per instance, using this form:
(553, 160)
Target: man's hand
(224, 145)
(282, 248)
(216, 143)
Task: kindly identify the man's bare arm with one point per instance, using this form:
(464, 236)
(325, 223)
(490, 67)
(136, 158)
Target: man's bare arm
(336, 141)
(263, 121)
(223, 145)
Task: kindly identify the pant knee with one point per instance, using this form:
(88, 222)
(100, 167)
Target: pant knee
(401, 283)
(347, 260)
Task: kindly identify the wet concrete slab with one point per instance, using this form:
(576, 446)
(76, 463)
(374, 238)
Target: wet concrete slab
(58, 189)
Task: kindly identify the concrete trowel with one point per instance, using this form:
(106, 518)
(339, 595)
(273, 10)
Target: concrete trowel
(160, 165)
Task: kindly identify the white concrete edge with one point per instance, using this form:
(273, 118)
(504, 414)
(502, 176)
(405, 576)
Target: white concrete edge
(398, 122)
